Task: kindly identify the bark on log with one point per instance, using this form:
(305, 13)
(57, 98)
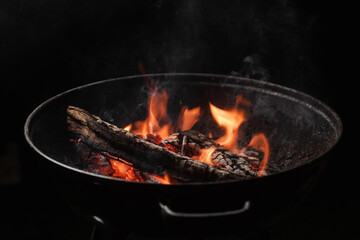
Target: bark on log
(239, 164)
(146, 156)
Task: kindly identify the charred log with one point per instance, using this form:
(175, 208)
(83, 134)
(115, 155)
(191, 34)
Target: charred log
(102, 136)
(195, 141)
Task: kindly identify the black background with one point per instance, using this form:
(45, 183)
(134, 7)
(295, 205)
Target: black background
(47, 47)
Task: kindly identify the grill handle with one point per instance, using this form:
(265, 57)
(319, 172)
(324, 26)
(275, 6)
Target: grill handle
(167, 210)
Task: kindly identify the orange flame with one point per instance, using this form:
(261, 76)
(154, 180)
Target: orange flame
(157, 122)
(231, 121)
(164, 179)
(260, 142)
(205, 155)
(128, 127)
(241, 100)
(188, 118)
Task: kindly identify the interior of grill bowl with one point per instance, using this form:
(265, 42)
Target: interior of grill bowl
(299, 128)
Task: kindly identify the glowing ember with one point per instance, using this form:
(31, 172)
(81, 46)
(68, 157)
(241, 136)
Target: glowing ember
(124, 171)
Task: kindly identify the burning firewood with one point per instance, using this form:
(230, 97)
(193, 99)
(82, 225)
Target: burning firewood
(197, 143)
(102, 136)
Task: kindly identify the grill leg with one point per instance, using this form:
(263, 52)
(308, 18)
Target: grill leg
(96, 233)
(99, 233)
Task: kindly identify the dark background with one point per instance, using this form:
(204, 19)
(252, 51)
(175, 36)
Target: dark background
(47, 47)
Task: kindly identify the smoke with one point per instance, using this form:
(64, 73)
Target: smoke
(177, 46)
(255, 39)
(252, 68)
